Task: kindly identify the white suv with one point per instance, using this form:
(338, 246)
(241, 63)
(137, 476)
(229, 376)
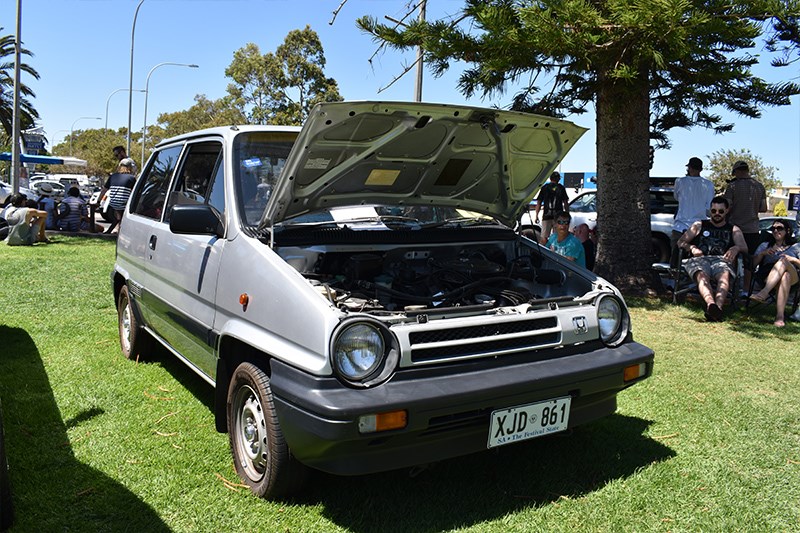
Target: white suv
(354, 293)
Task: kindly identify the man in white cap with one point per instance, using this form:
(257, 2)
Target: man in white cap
(694, 194)
(47, 204)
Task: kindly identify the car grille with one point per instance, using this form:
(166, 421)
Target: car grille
(483, 340)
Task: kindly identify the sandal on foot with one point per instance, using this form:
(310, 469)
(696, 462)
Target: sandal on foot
(758, 298)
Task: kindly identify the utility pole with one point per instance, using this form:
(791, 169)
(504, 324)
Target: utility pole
(15, 135)
(420, 51)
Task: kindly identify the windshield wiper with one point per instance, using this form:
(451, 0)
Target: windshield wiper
(462, 222)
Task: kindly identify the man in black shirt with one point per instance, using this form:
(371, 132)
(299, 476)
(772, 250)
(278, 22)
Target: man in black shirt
(713, 245)
(553, 196)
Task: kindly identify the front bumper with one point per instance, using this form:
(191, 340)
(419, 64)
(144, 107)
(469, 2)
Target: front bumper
(448, 407)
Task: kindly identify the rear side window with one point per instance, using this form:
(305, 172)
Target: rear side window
(151, 192)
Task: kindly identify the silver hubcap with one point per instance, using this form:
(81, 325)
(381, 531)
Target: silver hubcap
(251, 433)
(125, 327)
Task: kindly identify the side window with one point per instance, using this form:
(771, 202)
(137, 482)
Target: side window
(151, 193)
(200, 177)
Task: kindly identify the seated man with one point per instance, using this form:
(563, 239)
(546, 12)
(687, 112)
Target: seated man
(25, 224)
(77, 217)
(582, 232)
(713, 245)
(565, 243)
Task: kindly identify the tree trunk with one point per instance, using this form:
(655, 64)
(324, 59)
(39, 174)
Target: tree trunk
(624, 254)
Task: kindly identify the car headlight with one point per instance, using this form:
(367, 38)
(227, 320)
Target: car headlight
(612, 319)
(358, 351)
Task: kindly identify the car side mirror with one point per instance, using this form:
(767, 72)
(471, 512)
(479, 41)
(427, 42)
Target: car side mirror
(195, 220)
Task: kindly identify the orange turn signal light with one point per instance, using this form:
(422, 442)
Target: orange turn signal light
(244, 299)
(634, 372)
(383, 421)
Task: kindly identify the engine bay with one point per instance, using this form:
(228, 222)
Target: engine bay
(383, 279)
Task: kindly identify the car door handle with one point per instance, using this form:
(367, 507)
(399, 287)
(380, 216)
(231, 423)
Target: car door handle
(153, 240)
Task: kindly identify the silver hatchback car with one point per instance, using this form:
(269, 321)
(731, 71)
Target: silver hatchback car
(355, 295)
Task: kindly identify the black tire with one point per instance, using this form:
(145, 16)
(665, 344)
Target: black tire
(133, 339)
(6, 510)
(260, 453)
(661, 251)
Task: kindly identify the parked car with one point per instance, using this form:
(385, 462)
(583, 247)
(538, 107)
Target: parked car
(663, 207)
(58, 188)
(765, 225)
(5, 192)
(6, 511)
(356, 295)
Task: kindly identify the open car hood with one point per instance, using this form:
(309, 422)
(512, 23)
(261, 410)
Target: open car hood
(418, 154)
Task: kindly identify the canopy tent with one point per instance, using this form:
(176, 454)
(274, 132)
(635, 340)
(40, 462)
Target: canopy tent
(45, 159)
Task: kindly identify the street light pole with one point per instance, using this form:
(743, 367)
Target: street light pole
(147, 92)
(130, 79)
(73, 127)
(109, 99)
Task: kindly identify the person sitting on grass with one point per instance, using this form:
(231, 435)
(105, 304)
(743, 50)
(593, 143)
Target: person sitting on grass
(77, 216)
(783, 255)
(565, 243)
(713, 245)
(25, 224)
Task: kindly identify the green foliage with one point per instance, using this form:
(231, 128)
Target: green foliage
(281, 87)
(780, 209)
(646, 66)
(691, 54)
(721, 162)
(99, 443)
(27, 112)
(95, 147)
(204, 113)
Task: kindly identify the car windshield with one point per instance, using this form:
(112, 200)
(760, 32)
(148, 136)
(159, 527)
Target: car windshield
(259, 158)
(585, 203)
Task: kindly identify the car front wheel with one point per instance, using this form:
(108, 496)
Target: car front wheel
(260, 453)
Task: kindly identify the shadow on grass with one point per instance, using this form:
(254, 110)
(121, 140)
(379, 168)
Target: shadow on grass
(61, 494)
(469, 490)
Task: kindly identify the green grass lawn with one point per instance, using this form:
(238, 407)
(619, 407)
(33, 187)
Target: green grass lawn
(98, 443)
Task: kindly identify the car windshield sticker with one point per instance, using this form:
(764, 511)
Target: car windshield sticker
(252, 163)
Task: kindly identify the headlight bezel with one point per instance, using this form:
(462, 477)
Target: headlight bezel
(385, 363)
(619, 333)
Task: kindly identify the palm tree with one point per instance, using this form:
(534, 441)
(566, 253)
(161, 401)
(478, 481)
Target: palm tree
(27, 112)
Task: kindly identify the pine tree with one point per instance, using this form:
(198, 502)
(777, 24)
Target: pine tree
(647, 66)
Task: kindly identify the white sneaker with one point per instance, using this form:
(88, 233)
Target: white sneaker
(795, 316)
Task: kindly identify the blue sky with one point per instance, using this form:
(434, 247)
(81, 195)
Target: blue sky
(82, 52)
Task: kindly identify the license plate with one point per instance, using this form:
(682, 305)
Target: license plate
(524, 422)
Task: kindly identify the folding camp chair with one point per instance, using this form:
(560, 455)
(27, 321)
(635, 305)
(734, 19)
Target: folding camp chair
(683, 284)
(794, 290)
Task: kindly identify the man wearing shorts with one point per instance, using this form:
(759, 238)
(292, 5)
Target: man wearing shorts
(713, 245)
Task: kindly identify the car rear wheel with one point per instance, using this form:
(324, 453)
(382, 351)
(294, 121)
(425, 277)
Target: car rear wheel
(133, 339)
(260, 453)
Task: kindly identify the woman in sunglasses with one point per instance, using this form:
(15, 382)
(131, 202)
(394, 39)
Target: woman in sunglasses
(777, 259)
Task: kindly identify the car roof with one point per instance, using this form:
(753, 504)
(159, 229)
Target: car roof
(228, 132)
